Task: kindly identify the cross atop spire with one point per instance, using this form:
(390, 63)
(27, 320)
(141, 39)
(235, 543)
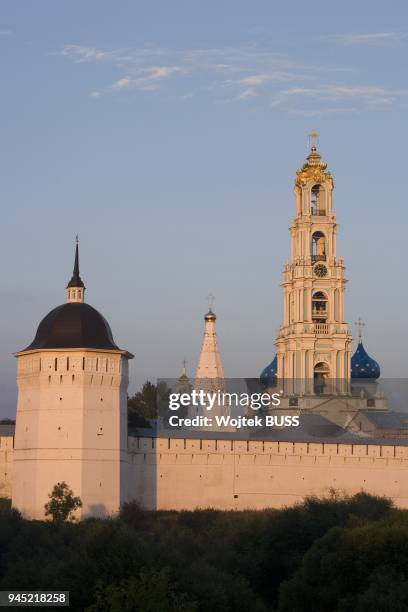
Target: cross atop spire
(313, 140)
(210, 316)
(76, 287)
(360, 325)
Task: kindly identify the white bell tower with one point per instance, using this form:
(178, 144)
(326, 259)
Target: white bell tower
(314, 342)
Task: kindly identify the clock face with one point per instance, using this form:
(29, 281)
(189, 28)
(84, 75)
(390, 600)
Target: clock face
(320, 270)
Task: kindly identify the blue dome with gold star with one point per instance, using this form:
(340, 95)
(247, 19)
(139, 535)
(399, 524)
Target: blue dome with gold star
(362, 365)
(268, 375)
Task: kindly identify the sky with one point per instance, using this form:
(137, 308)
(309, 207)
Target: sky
(167, 135)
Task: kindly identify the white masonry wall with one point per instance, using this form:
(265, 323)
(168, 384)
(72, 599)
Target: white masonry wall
(71, 426)
(190, 473)
(6, 465)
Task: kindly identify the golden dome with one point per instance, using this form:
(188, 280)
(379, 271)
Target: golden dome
(210, 316)
(314, 169)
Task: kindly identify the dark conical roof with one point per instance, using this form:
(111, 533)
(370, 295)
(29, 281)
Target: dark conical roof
(76, 280)
(362, 365)
(268, 375)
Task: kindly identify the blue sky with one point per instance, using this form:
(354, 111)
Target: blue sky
(167, 134)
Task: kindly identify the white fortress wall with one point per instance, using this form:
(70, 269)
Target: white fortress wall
(200, 473)
(6, 465)
(193, 473)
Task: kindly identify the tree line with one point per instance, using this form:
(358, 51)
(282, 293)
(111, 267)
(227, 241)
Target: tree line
(336, 554)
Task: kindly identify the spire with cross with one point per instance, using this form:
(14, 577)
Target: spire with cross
(360, 326)
(211, 300)
(313, 140)
(210, 315)
(76, 287)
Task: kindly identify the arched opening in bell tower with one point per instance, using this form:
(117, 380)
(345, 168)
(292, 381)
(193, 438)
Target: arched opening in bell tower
(317, 203)
(319, 307)
(321, 374)
(318, 247)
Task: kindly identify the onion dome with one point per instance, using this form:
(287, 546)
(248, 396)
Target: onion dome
(210, 316)
(362, 365)
(268, 375)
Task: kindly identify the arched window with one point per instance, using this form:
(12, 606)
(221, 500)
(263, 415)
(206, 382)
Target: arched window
(317, 201)
(321, 374)
(318, 247)
(319, 307)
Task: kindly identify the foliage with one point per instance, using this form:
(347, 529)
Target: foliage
(360, 569)
(149, 591)
(62, 503)
(336, 553)
(143, 406)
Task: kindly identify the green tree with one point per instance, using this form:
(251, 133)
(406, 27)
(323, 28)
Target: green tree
(62, 503)
(357, 569)
(143, 406)
(150, 591)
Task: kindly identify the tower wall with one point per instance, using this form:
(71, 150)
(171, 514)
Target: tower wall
(71, 426)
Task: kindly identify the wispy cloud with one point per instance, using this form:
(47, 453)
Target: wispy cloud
(321, 112)
(246, 75)
(364, 38)
(366, 94)
(148, 79)
(86, 54)
(6, 32)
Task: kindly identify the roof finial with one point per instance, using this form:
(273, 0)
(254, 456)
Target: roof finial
(76, 263)
(183, 382)
(76, 287)
(360, 325)
(210, 316)
(184, 368)
(313, 140)
(183, 374)
(211, 300)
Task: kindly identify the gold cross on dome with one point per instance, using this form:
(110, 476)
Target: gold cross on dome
(313, 139)
(211, 300)
(360, 324)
